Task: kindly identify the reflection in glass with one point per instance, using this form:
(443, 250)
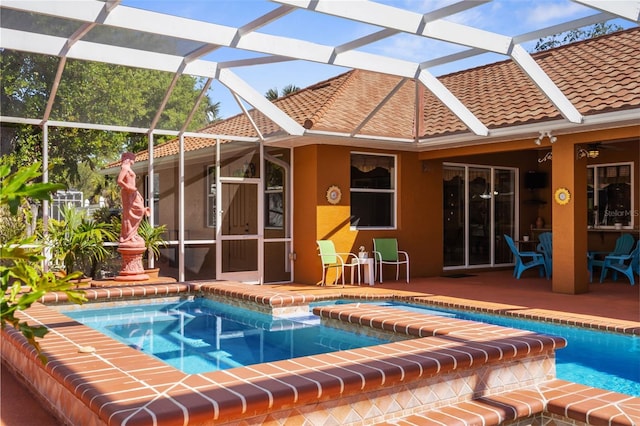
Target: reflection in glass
(478, 208)
(505, 212)
(372, 190)
(609, 194)
(240, 159)
(479, 199)
(454, 215)
(274, 203)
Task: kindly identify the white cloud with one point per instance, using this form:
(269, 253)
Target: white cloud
(544, 12)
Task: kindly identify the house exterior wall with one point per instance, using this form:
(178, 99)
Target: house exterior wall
(565, 169)
(419, 210)
(419, 229)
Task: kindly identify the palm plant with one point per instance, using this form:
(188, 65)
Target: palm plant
(77, 242)
(153, 238)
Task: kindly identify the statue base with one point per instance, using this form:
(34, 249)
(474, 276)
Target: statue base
(132, 269)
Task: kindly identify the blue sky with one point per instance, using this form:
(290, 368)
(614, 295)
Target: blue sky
(507, 17)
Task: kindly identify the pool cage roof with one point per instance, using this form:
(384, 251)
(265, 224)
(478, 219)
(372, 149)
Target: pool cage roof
(224, 53)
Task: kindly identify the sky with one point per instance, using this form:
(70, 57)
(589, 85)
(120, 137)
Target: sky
(506, 17)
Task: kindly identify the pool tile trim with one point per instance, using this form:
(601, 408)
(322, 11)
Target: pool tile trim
(301, 380)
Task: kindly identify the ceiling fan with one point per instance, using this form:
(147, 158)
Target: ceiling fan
(593, 150)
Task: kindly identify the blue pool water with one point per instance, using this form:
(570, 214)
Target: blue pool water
(594, 358)
(201, 335)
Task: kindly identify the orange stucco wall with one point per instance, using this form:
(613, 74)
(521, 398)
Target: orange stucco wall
(572, 238)
(419, 228)
(419, 209)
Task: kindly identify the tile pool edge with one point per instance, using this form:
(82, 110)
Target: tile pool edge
(195, 386)
(556, 317)
(120, 385)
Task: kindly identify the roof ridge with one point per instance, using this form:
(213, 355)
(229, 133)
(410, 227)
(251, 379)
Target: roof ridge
(316, 116)
(321, 111)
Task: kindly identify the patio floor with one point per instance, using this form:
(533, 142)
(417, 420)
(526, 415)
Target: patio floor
(612, 300)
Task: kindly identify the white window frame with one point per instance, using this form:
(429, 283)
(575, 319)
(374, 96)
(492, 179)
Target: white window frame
(211, 182)
(393, 191)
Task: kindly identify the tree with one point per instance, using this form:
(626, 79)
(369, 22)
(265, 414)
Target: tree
(90, 92)
(22, 279)
(272, 94)
(577, 34)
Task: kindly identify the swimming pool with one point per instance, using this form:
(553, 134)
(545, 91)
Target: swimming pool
(593, 358)
(202, 335)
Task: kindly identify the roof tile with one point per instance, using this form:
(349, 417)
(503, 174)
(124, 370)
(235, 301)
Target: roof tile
(596, 75)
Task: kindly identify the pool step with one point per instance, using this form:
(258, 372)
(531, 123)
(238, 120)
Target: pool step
(487, 411)
(554, 398)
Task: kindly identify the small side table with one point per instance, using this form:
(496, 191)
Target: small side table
(367, 269)
(529, 245)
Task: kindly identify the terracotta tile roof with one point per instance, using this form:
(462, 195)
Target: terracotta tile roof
(597, 75)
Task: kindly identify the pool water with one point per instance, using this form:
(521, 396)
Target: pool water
(594, 358)
(202, 335)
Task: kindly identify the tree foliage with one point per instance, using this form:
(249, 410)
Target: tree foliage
(22, 279)
(574, 35)
(90, 92)
(272, 94)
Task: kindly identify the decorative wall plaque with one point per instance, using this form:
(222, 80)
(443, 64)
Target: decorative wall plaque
(334, 194)
(562, 196)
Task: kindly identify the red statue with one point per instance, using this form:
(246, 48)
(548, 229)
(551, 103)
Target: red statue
(133, 208)
(131, 245)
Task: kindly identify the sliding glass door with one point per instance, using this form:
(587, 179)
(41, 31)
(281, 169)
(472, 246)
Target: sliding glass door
(479, 207)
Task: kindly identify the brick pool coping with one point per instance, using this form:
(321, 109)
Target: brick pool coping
(119, 385)
(265, 299)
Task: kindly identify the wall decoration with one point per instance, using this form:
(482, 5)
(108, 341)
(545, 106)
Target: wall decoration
(562, 196)
(334, 194)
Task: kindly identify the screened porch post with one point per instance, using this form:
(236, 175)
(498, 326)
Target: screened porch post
(181, 209)
(45, 179)
(150, 193)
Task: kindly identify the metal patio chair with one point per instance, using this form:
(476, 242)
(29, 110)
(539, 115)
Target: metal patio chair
(332, 259)
(385, 252)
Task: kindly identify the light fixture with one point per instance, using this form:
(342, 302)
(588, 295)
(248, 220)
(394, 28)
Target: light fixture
(543, 134)
(591, 152)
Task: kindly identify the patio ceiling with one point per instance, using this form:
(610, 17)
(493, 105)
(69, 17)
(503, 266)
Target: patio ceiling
(110, 32)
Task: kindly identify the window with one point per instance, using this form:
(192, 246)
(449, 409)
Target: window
(274, 199)
(211, 197)
(609, 188)
(156, 196)
(373, 191)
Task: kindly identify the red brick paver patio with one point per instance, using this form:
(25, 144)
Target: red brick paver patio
(610, 302)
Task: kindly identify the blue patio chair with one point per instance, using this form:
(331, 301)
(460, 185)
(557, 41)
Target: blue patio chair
(385, 252)
(624, 245)
(627, 265)
(522, 264)
(332, 259)
(545, 246)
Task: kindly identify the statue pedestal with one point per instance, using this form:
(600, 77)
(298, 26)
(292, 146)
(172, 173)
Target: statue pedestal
(132, 269)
